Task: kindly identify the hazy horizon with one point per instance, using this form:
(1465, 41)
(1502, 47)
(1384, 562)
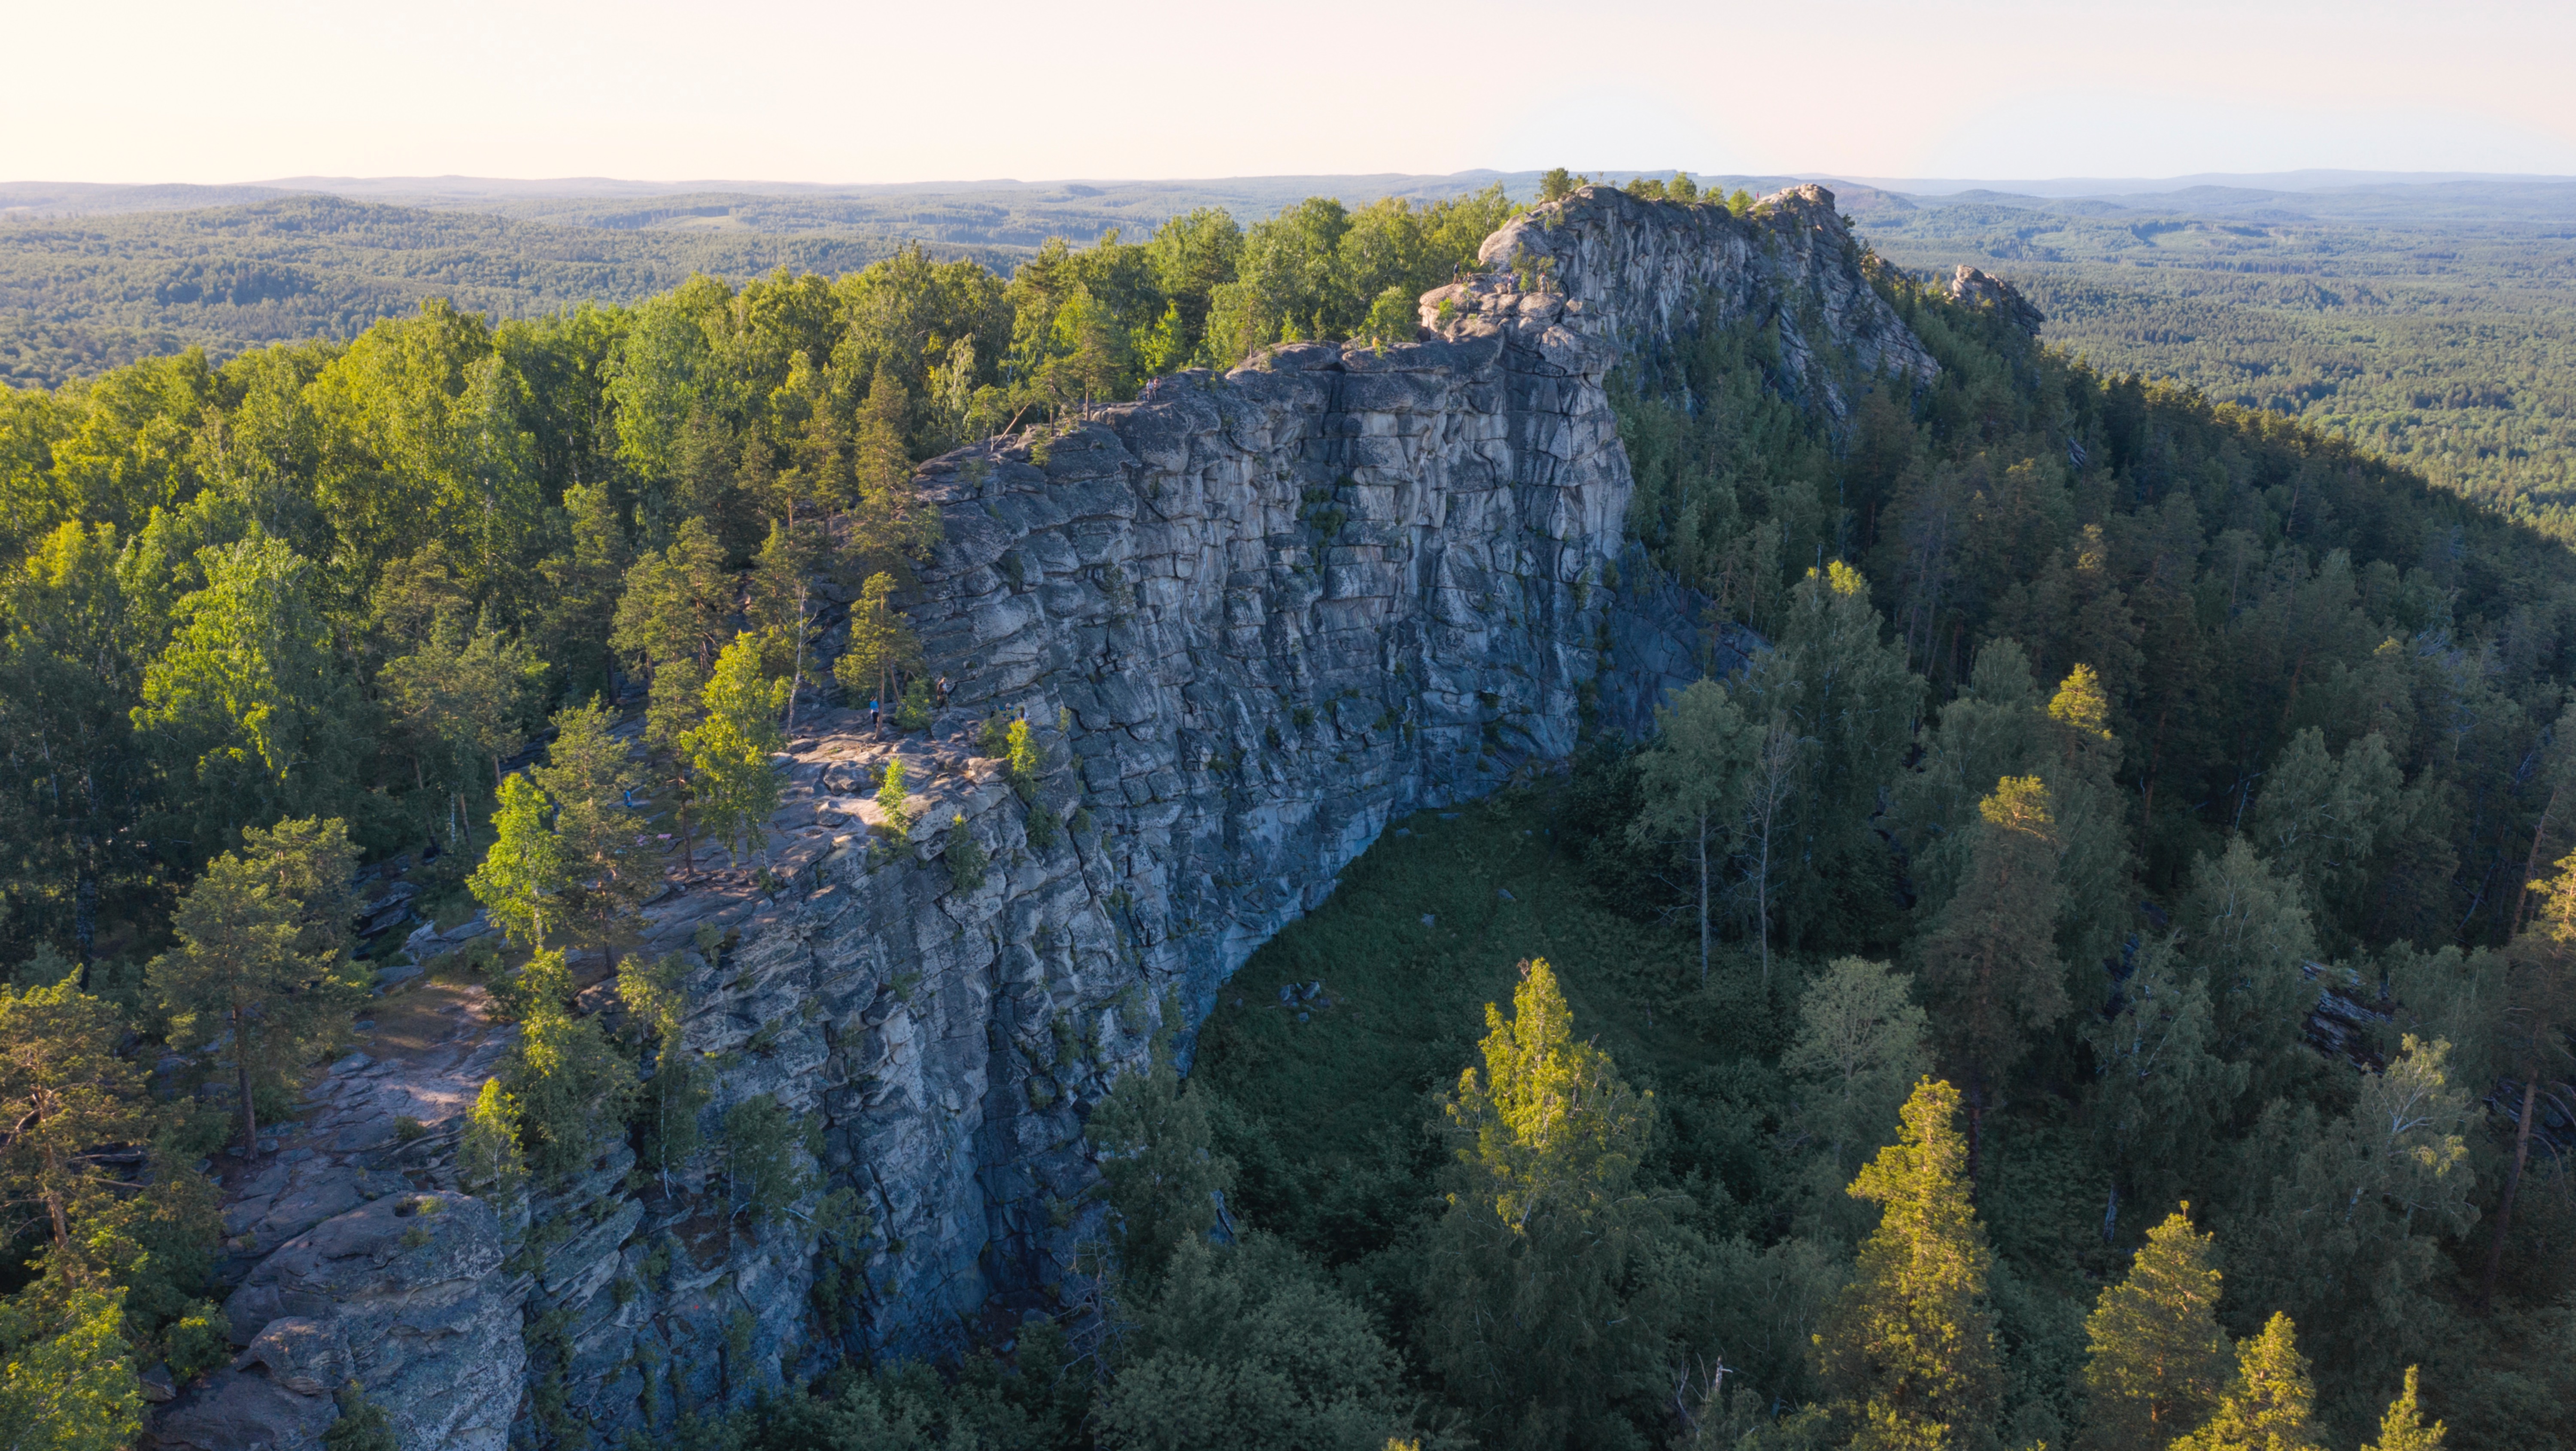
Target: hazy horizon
(161, 92)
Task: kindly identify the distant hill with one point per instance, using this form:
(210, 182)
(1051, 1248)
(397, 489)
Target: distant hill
(2433, 322)
(2431, 316)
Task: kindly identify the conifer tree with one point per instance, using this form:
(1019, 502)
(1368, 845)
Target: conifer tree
(522, 875)
(656, 995)
(1543, 1321)
(1991, 976)
(2403, 1428)
(250, 962)
(882, 645)
(587, 777)
(67, 1379)
(729, 751)
(64, 1096)
(569, 1084)
(2246, 927)
(1908, 1350)
(2267, 1406)
(2163, 1093)
(2536, 1009)
(1156, 1168)
(2158, 1361)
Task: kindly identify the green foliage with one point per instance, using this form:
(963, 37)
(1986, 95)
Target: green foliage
(656, 994)
(1860, 1049)
(362, 1426)
(1552, 1279)
(763, 1159)
(249, 712)
(2158, 1360)
(914, 713)
(1150, 1135)
(965, 856)
(1908, 1352)
(729, 751)
(2267, 1404)
(523, 872)
(488, 1158)
(2403, 1429)
(894, 798)
(570, 1085)
(1990, 971)
(67, 1379)
(1248, 1346)
(64, 1093)
(882, 646)
(260, 955)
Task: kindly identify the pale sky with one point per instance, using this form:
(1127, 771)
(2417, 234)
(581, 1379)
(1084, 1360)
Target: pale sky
(786, 90)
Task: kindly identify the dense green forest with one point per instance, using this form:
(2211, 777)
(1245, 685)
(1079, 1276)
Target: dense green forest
(2432, 325)
(96, 277)
(2099, 977)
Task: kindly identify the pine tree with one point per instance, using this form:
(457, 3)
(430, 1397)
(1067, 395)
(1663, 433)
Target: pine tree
(2538, 1005)
(522, 876)
(656, 995)
(2403, 1428)
(587, 777)
(729, 751)
(64, 1094)
(2245, 926)
(2159, 1361)
(570, 1085)
(1543, 1322)
(1156, 1168)
(249, 963)
(1908, 1350)
(1990, 971)
(67, 1378)
(882, 645)
(2267, 1406)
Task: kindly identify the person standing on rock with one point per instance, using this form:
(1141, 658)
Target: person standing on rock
(943, 692)
(875, 716)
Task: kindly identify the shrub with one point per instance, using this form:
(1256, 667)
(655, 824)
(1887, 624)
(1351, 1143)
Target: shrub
(965, 856)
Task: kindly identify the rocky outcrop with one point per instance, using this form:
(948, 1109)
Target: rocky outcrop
(1251, 618)
(410, 1296)
(1647, 275)
(1983, 290)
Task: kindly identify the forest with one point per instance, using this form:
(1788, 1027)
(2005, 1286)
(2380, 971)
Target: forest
(2429, 324)
(2101, 977)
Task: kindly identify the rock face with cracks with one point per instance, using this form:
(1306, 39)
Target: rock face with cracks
(1249, 619)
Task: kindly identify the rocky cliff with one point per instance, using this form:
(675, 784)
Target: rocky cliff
(1251, 617)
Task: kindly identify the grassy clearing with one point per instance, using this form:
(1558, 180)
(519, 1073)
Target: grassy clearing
(1331, 1118)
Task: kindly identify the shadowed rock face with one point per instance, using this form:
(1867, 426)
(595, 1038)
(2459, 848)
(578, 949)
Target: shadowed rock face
(1251, 618)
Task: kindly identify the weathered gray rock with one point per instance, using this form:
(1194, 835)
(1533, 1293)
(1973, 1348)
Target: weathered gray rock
(410, 1295)
(1252, 619)
(1979, 289)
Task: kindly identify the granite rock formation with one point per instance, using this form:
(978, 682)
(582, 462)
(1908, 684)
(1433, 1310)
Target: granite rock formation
(1252, 618)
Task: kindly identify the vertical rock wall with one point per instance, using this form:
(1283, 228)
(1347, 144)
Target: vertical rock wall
(1251, 617)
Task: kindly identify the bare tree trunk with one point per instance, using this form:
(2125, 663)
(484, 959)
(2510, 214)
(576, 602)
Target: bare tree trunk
(796, 683)
(1976, 1127)
(1703, 896)
(2512, 1185)
(2531, 863)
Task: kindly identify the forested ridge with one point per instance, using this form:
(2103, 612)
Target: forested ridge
(2098, 977)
